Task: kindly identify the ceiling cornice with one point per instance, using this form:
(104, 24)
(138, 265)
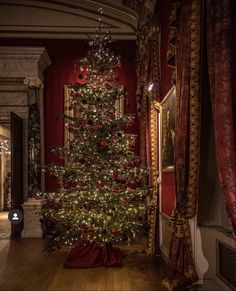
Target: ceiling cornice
(65, 19)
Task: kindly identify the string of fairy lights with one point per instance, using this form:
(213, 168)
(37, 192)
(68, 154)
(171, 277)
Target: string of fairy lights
(102, 187)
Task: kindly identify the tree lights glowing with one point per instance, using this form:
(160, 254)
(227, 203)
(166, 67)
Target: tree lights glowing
(102, 186)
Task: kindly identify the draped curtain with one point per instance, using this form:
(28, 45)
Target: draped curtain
(181, 269)
(221, 63)
(148, 72)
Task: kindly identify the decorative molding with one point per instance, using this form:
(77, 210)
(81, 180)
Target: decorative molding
(65, 19)
(33, 82)
(154, 126)
(34, 150)
(154, 175)
(20, 62)
(135, 5)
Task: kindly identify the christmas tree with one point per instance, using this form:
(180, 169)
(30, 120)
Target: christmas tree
(102, 186)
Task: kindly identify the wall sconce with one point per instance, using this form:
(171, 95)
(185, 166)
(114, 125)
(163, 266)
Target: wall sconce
(150, 87)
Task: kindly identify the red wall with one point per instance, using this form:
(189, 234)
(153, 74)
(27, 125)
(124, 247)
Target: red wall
(168, 192)
(63, 53)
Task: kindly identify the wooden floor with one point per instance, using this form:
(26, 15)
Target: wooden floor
(5, 225)
(25, 267)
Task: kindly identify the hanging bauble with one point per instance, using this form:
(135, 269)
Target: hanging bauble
(83, 121)
(114, 174)
(110, 117)
(125, 202)
(70, 128)
(103, 143)
(114, 230)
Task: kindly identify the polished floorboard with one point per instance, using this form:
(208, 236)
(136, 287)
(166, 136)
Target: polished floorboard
(24, 266)
(5, 225)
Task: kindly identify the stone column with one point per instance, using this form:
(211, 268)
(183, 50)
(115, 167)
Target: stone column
(35, 135)
(32, 225)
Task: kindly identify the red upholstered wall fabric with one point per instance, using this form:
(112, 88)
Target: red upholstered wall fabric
(63, 53)
(168, 192)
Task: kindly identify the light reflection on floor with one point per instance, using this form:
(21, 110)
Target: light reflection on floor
(5, 225)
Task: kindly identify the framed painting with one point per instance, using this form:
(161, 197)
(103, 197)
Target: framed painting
(69, 91)
(168, 115)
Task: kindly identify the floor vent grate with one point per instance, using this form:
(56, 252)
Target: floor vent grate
(226, 263)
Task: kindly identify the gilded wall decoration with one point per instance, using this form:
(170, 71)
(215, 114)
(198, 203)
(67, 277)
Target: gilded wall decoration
(168, 116)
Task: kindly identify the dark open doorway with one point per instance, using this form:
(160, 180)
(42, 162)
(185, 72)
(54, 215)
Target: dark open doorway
(17, 196)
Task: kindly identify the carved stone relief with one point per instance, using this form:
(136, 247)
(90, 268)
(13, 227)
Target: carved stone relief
(21, 83)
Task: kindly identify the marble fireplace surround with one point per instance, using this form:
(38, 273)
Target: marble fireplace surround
(21, 86)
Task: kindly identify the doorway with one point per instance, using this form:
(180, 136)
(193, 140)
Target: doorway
(11, 174)
(5, 179)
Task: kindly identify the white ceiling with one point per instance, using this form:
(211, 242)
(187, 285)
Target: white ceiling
(72, 19)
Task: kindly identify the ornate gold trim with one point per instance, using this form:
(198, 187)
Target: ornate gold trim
(154, 141)
(194, 118)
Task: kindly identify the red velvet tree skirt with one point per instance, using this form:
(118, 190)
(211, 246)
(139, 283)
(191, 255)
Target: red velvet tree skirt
(93, 255)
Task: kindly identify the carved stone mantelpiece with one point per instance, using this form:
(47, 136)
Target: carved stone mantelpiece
(21, 92)
(22, 62)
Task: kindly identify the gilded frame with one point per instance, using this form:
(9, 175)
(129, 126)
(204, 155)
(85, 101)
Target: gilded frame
(119, 109)
(153, 127)
(168, 116)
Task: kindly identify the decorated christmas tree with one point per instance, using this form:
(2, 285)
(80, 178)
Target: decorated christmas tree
(102, 185)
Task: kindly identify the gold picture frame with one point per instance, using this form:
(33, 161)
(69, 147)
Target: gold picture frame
(68, 89)
(168, 116)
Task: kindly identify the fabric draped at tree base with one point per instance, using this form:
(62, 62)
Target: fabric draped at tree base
(89, 255)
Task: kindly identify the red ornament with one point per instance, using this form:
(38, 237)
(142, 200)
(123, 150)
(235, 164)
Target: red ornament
(110, 117)
(83, 121)
(86, 227)
(70, 128)
(72, 93)
(103, 143)
(82, 76)
(114, 230)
